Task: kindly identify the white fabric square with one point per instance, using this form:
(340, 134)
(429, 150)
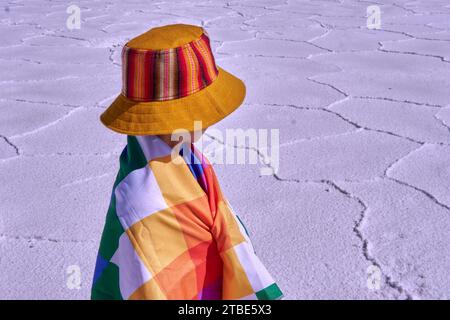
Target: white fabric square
(153, 147)
(138, 196)
(132, 271)
(257, 274)
(250, 297)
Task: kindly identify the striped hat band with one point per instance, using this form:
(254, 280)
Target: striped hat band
(167, 74)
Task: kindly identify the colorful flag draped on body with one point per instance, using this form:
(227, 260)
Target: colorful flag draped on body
(171, 234)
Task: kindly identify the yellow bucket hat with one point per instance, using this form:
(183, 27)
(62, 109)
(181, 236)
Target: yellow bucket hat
(169, 80)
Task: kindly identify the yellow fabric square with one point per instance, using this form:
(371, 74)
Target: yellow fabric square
(176, 182)
(225, 229)
(158, 240)
(237, 284)
(148, 291)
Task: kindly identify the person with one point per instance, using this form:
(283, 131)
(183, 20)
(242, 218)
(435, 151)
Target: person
(169, 232)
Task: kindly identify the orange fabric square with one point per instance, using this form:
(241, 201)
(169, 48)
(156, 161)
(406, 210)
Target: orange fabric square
(178, 280)
(195, 220)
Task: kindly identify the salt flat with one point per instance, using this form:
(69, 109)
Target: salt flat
(363, 188)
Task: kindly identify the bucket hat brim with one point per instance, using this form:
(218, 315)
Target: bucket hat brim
(209, 105)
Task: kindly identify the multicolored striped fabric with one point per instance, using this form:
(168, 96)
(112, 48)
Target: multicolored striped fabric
(159, 75)
(171, 234)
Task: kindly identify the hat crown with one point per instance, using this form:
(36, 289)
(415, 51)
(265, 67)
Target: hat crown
(166, 63)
